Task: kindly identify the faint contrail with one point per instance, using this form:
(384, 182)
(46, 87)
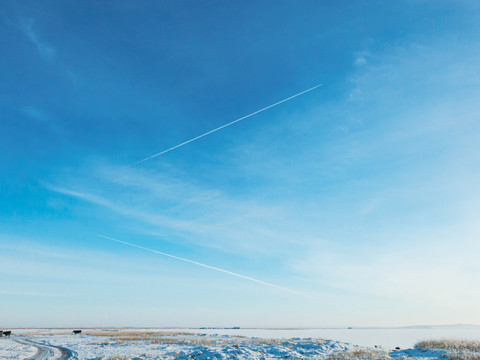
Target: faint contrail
(224, 126)
(205, 266)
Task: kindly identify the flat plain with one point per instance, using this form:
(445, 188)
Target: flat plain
(203, 344)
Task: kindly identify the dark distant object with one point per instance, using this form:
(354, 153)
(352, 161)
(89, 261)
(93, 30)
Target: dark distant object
(397, 348)
(7, 333)
(236, 327)
(350, 327)
(76, 332)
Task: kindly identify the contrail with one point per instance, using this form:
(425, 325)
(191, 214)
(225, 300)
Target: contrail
(224, 126)
(206, 266)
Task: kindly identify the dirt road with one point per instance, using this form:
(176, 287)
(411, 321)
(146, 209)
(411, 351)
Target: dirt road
(46, 351)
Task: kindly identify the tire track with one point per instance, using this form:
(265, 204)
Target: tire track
(47, 351)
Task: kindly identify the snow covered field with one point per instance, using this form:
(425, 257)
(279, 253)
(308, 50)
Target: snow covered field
(388, 338)
(10, 349)
(205, 344)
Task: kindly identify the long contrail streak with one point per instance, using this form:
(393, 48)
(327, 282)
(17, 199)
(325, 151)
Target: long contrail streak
(205, 266)
(224, 126)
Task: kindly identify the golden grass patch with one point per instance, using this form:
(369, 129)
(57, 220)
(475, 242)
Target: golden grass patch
(449, 344)
(360, 354)
(463, 355)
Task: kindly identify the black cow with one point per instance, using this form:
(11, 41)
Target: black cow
(76, 332)
(7, 333)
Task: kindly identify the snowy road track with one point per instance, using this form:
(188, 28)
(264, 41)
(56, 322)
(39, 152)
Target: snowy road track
(47, 351)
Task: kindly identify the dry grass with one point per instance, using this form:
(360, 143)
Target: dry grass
(186, 338)
(140, 335)
(360, 354)
(43, 333)
(463, 355)
(454, 349)
(450, 345)
(128, 336)
(101, 343)
(154, 339)
(119, 357)
(277, 342)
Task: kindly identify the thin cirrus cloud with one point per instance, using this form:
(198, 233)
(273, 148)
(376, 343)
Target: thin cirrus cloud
(417, 149)
(354, 206)
(228, 124)
(209, 217)
(46, 51)
(249, 278)
(26, 293)
(365, 194)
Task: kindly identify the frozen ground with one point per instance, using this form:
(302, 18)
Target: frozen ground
(10, 349)
(179, 344)
(389, 338)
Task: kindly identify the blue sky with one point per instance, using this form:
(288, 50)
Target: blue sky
(362, 194)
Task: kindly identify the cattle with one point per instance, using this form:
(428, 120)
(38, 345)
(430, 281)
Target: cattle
(76, 332)
(7, 333)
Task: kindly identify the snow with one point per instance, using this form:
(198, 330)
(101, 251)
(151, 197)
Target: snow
(10, 349)
(417, 354)
(202, 345)
(388, 338)
(222, 347)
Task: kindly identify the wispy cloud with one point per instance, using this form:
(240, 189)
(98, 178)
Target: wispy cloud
(228, 124)
(40, 116)
(43, 264)
(206, 266)
(46, 51)
(200, 215)
(372, 193)
(26, 293)
(410, 181)
(34, 113)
